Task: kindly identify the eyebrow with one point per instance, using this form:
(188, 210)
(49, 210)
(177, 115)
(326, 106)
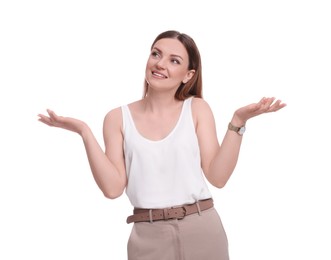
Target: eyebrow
(172, 55)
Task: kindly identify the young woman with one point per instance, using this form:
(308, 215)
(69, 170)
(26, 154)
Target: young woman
(161, 149)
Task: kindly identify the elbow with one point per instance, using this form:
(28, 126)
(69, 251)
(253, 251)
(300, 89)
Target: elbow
(219, 184)
(113, 191)
(113, 194)
(219, 179)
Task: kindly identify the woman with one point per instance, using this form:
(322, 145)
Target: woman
(160, 149)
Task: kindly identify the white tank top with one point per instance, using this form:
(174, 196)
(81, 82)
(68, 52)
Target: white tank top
(166, 172)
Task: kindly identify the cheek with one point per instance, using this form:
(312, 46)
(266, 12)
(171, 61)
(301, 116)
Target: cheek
(148, 65)
(180, 74)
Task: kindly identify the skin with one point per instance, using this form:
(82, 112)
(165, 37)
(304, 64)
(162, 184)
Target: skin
(155, 116)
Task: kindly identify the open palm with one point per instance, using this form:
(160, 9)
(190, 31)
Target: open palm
(67, 123)
(265, 105)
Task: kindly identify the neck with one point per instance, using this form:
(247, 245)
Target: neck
(159, 102)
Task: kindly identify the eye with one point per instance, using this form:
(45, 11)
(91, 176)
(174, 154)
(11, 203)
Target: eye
(155, 54)
(175, 61)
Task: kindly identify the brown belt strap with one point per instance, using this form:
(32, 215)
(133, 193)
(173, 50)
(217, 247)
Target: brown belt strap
(150, 215)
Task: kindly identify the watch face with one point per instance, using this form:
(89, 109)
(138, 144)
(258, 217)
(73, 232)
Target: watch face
(242, 130)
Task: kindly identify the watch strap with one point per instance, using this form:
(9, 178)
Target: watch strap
(238, 129)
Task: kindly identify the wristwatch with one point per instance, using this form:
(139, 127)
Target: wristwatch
(239, 130)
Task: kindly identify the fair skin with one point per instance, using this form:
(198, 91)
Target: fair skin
(155, 116)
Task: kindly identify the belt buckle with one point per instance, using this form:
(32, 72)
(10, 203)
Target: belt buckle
(184, 212)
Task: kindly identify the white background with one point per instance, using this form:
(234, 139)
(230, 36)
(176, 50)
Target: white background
(83, 58)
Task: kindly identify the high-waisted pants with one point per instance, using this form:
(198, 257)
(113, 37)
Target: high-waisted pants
(195, 237)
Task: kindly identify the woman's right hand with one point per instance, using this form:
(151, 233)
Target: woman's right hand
(67, 123)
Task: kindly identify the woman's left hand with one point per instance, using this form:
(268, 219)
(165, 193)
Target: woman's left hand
(265, 105)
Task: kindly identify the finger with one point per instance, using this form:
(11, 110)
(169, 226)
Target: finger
(280, 105)
(43, 117)
(276, 106)
(262, 100)
(45, 120)
(51, 113)
(266, 103)
(270, 101)
(54, 118)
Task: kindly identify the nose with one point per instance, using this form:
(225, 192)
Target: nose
(160, 64)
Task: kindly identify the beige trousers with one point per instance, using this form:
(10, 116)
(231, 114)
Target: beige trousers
(196, 237)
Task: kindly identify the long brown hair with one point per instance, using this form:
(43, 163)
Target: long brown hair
(194, 86)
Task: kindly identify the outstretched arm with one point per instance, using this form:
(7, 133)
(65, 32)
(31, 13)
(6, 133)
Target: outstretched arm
(107, 168)
(219, 161)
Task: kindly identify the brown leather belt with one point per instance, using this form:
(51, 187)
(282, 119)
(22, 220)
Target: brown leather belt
(150, 215)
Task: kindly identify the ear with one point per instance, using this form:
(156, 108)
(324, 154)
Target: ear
(188, 76)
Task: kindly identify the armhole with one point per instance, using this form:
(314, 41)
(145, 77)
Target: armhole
(191, 114)
(123, 118)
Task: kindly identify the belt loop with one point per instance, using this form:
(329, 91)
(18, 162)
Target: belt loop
(165, 214)
(150, 216)
(198, 207)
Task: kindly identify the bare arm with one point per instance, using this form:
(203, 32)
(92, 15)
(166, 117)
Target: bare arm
(107, 167)
(219, 161)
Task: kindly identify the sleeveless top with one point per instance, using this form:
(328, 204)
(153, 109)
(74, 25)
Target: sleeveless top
(166, 172)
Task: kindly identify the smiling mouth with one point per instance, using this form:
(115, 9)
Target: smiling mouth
(159, 75)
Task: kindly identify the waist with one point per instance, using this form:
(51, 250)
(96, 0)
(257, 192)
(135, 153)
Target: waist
(177, 212)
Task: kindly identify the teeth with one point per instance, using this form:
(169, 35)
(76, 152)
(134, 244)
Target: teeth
(159, 75)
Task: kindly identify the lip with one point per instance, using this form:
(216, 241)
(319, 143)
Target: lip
(158, 74)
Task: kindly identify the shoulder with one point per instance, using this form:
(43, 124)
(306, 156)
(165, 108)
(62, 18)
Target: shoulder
(112, 124)
(202, 115)
(113, 116)
(199, 103)
(200, 108)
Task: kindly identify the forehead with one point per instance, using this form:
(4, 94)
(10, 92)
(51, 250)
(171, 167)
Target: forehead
(171, 47)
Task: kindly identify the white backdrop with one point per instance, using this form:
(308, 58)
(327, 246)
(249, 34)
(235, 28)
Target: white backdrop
(83, 58)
